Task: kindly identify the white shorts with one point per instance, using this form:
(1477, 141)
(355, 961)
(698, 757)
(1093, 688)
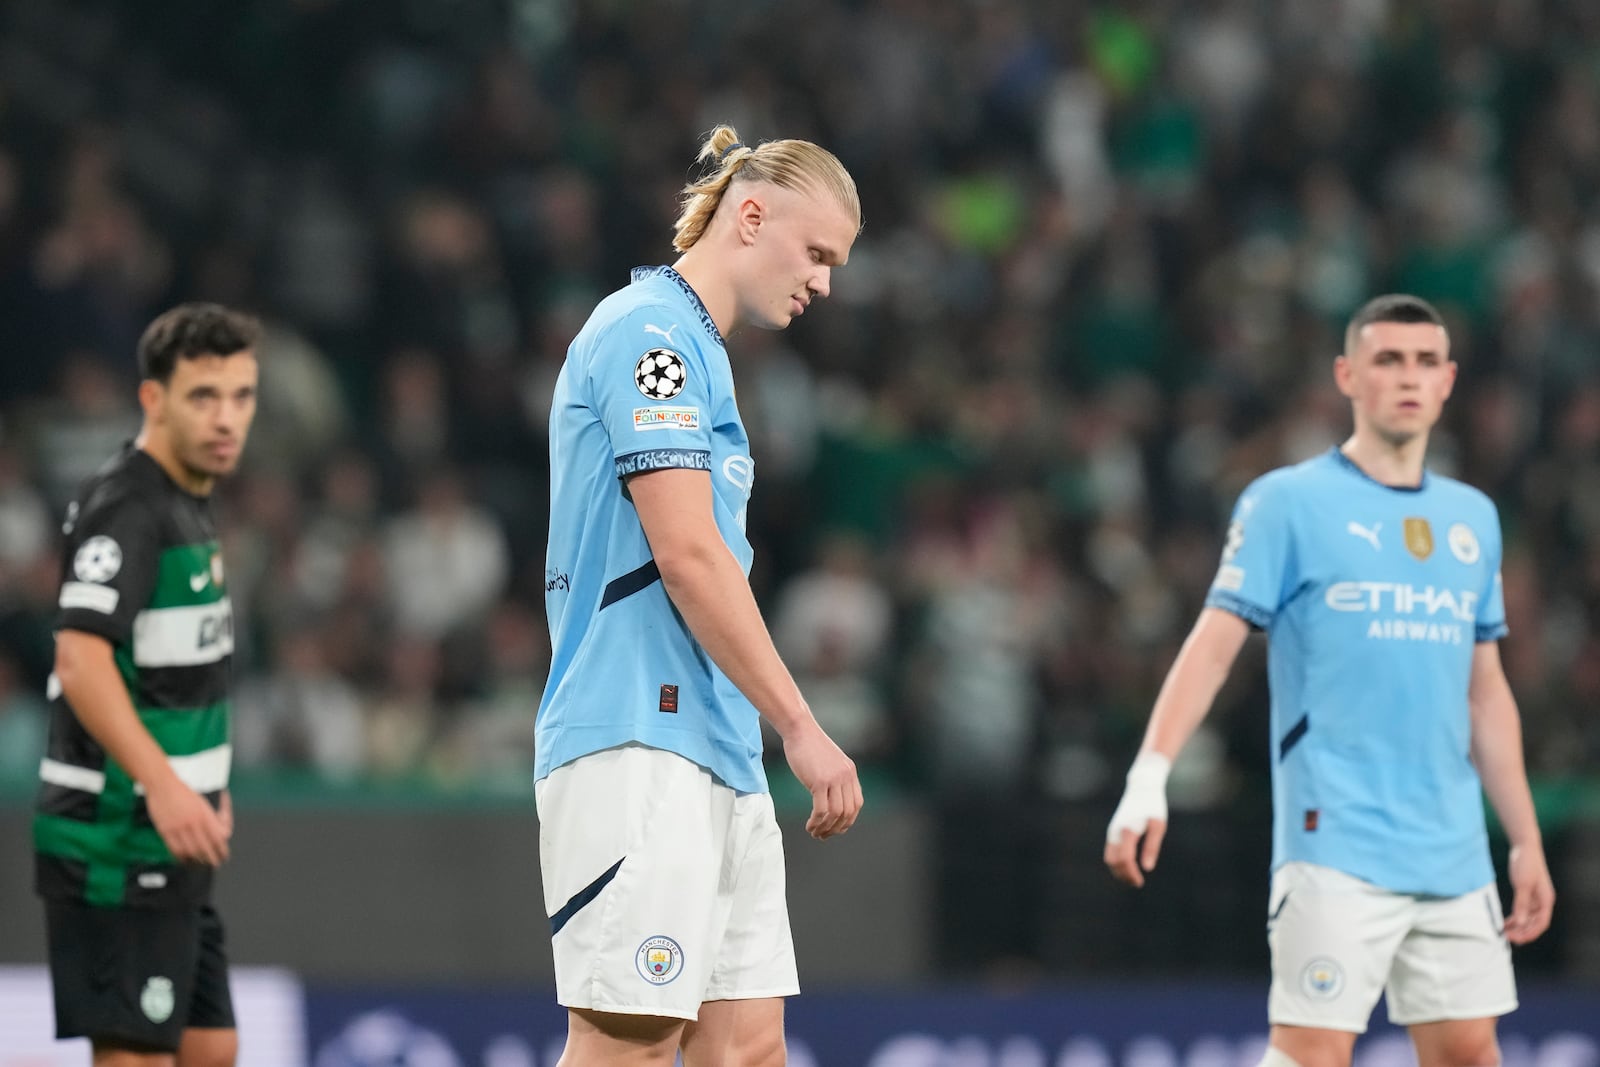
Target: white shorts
(1337, 942)
(665, 888)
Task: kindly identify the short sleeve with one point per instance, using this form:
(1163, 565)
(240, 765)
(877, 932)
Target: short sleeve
(652, 390)
(1491, 622)
(1257, 557)
(112, 553)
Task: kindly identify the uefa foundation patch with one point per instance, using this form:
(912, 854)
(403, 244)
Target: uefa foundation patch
(666, 418)
(659, 960)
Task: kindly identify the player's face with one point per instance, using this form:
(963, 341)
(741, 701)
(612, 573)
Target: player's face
(803, 236)
(205, 411)
(1398, 377)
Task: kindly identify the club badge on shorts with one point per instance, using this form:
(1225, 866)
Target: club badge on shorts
(659, 960)
(156, 1000)
(1323, 978)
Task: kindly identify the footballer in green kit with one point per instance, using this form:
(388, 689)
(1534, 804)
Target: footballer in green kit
(133, 815)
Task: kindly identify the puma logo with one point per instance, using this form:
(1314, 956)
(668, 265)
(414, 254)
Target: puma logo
(1370, 536)
(666, 334)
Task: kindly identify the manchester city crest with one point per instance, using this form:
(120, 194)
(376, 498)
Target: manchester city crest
(1322, 978)
(1463, 543)
(659, 960)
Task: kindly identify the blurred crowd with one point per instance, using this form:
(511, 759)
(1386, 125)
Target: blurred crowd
(1108, 253)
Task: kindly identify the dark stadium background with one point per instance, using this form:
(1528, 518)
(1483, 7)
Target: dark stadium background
(1108, 252)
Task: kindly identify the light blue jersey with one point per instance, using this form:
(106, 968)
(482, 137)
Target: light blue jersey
(1373, 599)
(646, 386)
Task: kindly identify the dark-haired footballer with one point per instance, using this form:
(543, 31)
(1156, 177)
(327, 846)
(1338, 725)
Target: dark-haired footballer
(133, 815)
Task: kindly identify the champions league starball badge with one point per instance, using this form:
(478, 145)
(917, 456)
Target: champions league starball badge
(97, 560)
(660, 374)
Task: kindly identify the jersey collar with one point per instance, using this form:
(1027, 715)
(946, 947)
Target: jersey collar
(1350, 465)
(641, 273)
(148, 468)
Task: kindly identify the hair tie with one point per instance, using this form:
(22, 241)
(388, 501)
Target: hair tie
(726, 152)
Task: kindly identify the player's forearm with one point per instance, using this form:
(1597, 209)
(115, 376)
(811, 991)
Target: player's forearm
(94, 690)
(1192, 684)
(1182, 705)
(1497, 753)
(712, 594)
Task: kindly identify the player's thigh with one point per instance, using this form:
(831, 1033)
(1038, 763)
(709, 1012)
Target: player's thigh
(123, 977)
(1454, 964)
(607, 1039)
(736, 1033)
(632, 842)
(755, 948)
(1333, 939)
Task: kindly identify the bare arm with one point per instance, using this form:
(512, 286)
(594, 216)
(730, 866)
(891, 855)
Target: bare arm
(710, 591)
(1497, 753)
(1194, 680)
(93, 687)
(1182, 705)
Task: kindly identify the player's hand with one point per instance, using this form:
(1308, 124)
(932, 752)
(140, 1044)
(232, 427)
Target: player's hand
(1142, 813)
(830, 776)
(225, 813)
(192, 831)
(1533, 895)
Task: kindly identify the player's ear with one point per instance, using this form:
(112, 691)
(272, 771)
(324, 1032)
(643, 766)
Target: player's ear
(749, 214)
(151, 395)
(1342, 373)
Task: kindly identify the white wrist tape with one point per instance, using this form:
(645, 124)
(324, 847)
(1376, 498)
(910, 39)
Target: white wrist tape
(1145, 797)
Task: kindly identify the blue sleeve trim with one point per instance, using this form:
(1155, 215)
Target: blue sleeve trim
(660, 459)
(1491, 631)
(1256, 616)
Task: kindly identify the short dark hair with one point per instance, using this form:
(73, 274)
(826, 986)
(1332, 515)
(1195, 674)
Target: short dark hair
(1391, 307)
(190, 331)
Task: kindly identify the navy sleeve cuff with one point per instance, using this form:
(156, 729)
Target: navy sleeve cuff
(660, 459)
(1253, 614)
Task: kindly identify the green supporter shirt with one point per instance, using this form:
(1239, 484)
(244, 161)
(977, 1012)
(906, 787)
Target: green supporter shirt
(141, 569)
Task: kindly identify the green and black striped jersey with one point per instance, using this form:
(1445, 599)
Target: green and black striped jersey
(141, 568)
